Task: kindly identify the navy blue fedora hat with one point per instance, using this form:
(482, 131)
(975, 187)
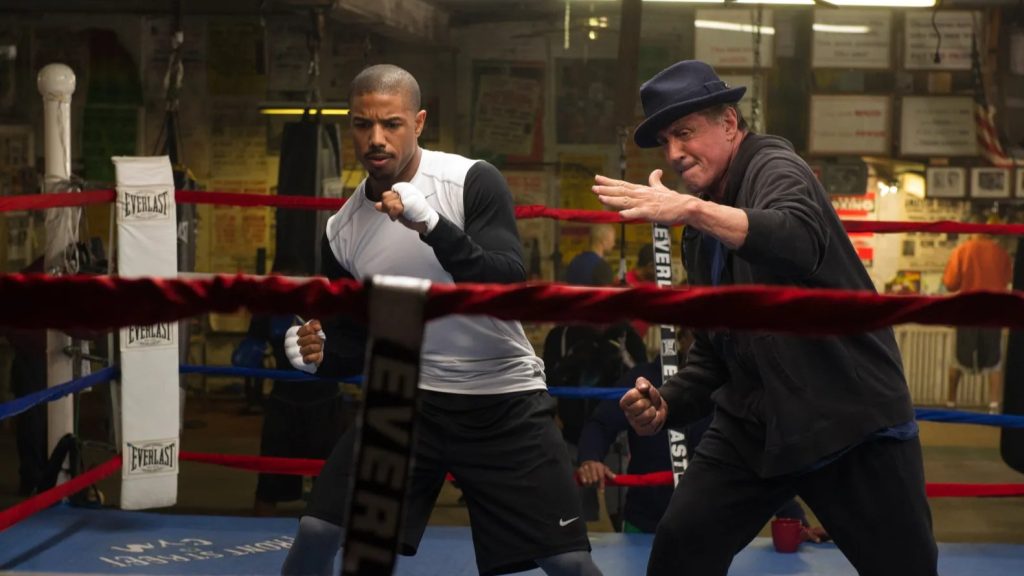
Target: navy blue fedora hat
(682, 88)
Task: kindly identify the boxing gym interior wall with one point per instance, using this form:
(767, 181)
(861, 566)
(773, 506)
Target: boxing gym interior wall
(882, 107)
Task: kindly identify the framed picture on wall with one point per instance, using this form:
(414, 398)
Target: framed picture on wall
(849, 124)
(851, 39)
(945, 182)
(1019, 190)
(990, 183)
(937, 126)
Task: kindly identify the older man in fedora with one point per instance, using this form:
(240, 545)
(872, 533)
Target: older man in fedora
(826, 418)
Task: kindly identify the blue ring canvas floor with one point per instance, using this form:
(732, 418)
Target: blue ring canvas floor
(66, 540)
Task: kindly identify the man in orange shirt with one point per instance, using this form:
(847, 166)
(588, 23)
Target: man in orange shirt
(977, 264)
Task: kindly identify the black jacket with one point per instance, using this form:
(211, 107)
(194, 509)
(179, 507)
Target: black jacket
(786, 401)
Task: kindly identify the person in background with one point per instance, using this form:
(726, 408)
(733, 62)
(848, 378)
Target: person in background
(590, 268)
(978, 264)
(643, 273)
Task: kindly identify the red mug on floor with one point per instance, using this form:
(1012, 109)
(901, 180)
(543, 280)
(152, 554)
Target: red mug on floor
(786, 534)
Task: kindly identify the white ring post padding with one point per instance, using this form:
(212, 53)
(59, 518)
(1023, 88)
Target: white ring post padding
(56, 83)
(386, 426)
(150, 421)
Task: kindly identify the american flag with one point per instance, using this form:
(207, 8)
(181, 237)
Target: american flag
(984, 116)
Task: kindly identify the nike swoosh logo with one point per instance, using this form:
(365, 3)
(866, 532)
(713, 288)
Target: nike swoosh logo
(564, 523)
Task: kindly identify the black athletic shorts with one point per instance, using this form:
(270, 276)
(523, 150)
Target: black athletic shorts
(978, 349)
(512, 466)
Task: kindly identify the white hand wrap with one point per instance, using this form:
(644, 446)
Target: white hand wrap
(416, 207)
(294, 352)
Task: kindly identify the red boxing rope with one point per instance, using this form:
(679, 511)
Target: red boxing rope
(65, 199)
(949, 490)
(26, 508)
(56, 200)
(32, 300)
(572, 215)
(936, 227)
(239, 199)
(311, 467)
(265, 464)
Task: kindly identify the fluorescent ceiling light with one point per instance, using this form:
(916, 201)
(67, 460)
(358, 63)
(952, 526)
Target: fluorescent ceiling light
(783, 2)
(677, 1)
(885, 3)
(290, 109)
(732, 27)
(840, 29)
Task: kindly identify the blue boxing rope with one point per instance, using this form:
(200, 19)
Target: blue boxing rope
(923, 414)
(962, 417)
(284, 375)
(598, 393)
(19, 405)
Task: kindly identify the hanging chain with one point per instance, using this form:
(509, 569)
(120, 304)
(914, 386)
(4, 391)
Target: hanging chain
(313, 40)
(755, 99)
(175, 71)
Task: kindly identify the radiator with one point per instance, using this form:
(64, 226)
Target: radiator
(928, 353)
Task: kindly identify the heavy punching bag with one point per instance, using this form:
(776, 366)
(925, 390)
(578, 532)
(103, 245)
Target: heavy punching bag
(310, 153)
(1011, 445)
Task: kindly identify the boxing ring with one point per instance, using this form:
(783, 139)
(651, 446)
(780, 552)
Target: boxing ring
(46, 535)
(38, 537)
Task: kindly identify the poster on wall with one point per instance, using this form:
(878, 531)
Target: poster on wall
(725, 38)
(852, 39)
(926, 252)
(859, 207)
(585, 101)
(504, 116)
(990, 183)
(946, 182)
(921, 43)
(508, 111)
(937, 126)
(849, 125)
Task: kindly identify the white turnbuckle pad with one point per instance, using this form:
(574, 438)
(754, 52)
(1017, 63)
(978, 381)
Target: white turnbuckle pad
(150, 419)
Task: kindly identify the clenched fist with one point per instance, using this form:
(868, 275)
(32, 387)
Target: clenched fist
(407, 204)
(644, 408)
(304, 346)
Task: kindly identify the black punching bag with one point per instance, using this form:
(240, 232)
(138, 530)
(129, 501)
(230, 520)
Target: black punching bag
(1012, 445)
(309, 153)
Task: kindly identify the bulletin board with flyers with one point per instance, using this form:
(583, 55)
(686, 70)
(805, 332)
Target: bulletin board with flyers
(508, 111)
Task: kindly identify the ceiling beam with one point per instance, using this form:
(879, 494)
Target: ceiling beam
(413, 21)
